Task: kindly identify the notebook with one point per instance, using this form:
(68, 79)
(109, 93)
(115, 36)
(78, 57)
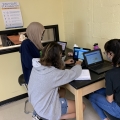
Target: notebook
(85, 75)
(94, 61)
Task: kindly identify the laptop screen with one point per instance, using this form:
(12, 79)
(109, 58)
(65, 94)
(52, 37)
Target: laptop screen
(78, 53)
(93, 57)
(63, 44)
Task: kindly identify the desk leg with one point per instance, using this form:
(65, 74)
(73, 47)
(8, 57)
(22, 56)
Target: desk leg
(79, 104)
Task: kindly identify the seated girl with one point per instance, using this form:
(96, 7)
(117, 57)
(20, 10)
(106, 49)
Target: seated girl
(109, 99)
(46, 77)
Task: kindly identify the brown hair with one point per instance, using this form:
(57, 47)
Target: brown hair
(51, 55)
(35, 32)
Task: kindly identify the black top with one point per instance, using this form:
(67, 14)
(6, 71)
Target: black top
(113, 83)
(28, 51)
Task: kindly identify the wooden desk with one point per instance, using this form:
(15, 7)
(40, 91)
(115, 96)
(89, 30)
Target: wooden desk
(82, 88)
(79, 93)
(14, 39)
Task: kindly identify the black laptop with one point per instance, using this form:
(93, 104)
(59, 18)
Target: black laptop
(63, 44)
(94, 61)
(78, 53)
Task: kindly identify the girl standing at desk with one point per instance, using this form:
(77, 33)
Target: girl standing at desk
(30, 48)
(46, 77)
(109, 99)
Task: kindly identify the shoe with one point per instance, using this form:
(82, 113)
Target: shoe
(36, 118)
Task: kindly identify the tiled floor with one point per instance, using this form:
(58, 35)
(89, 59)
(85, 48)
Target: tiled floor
(15, 111)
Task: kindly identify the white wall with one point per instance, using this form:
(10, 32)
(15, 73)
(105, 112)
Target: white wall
(89, 21)
(48, 12)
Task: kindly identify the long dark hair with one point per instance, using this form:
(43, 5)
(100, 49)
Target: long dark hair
(113, 46)
(51, 55)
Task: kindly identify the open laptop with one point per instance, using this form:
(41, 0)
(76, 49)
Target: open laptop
(63, 44)
(94, 61)
(78, 53)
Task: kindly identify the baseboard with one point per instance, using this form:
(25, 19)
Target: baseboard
(13, 99)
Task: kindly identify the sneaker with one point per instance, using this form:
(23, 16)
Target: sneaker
(36, 118)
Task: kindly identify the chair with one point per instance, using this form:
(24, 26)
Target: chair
(21, 81)
(111, 117)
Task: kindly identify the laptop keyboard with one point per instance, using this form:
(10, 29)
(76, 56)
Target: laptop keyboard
(100, 66)
(103, 69)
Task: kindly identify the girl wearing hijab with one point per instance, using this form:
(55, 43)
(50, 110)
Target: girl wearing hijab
(31, 47)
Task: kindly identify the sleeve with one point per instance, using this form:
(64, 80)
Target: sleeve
(109, 84)
(67, 75)
(26, 57)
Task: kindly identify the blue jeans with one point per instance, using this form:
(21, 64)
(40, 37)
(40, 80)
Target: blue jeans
(64, 106)
(100, 104)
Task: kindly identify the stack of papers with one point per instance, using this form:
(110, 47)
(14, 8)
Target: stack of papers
(85, 75)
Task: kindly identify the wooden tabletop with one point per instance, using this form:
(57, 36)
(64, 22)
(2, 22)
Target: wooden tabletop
(14, 39)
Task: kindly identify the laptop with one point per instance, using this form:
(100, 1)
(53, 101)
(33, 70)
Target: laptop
(78, 54)
(94, 61)
(63, 44)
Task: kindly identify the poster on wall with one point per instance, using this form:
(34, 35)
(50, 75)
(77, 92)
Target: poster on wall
(11, 14)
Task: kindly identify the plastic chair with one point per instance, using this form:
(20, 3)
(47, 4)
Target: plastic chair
(21, 81)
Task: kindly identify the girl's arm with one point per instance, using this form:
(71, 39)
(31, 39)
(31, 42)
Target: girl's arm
(110, 98)
(66, 76)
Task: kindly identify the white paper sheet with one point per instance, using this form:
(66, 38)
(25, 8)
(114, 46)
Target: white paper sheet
(85, 75)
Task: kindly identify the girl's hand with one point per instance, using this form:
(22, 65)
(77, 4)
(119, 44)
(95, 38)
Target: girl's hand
(69, 61)
(78, 62)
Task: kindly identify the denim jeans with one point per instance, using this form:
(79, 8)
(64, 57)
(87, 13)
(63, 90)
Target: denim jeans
(100, 104)
(64, 106)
